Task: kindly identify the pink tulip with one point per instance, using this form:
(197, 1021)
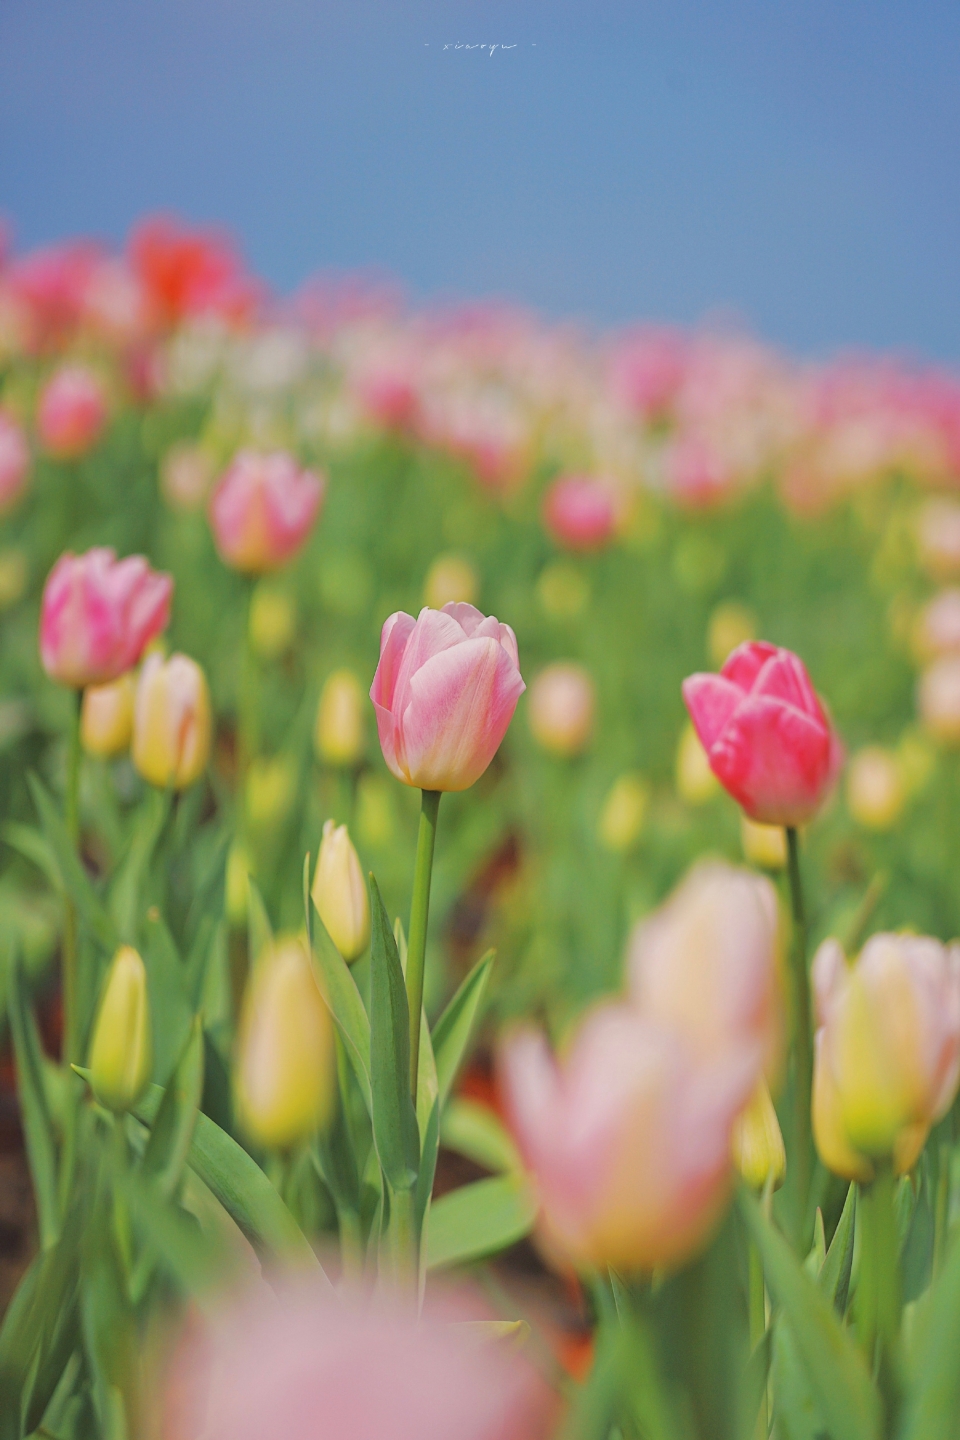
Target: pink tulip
(310, 1366)
(767, 736)
(98, 615)
(14, 462)
(563, 708)
(705, 963)
(263, 509)
(72, 412)
(580, 511)
(628, 1141)
(445, 691)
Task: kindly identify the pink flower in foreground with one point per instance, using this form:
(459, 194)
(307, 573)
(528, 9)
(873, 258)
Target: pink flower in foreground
(766, 734)
(263, 509)
(307, 1365)
(71, 413)
(580, 511)
(98, 614)
(14, 462)
(628, 1139)
(445, 691)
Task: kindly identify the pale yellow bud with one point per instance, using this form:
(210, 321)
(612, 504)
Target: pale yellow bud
(450, 578)
(284, 1073)
(340, 894)
(763, 845)
(106, 719)
(270, 792)
(758, 1149)
(622, 816)
(237, 885)
(186, 475)
(696, 782)
(171, 722)
(273, 621)
(121, 1054)
(875, 788)
(338, 734)
(14, 574)
(561, 709)
(730, 625)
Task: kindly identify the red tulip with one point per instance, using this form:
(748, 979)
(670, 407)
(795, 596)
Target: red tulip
(767, 736)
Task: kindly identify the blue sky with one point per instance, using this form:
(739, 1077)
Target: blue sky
(795, 164)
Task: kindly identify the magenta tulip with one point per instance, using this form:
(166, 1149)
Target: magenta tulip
(445, 691)
(98, 615)
(71, 413)
(263, 509)
(768, 739)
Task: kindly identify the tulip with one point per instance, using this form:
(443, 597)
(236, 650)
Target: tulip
(581, 511)
(875, 790)
(121, 1053)
(758, 1149)
(628, 1143)
(338, 732)
(185, 476)
(767, 737)
(285, 1051)
(938, 699)
(445, 691)
(450, 578)
(562, 709)
(273, 621)
(622, 816)
(271, 788)
(696, 782)
(98, 615)
(71, 413)
(340, 894)
(706, 963)
(171, 722)
(763, 845)
(887, 1059)
(14, 462)
(263, 509)
(106, 717)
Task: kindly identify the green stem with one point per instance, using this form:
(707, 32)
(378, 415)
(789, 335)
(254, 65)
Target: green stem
(941, 1209)
(419, 914)
(758, 1325)
(71, 1020)
(803, 1043)
(403, 1238)
(879, 1298)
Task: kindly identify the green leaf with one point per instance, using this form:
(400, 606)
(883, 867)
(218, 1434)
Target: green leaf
(428, 1165)
(395, 1130)
(259, 929)
(34, 1111)
(478, 1220)
(126, 889)
(170, 1013)
(473, 1130)
(29, 843)
(172, 1132)
(73, 877)
(199, 1260)
(428, 1089)
(935, 1393)
(109, 1329)
(834, 1275)
(833, 1366)
(454, 1029)
(346, 1006)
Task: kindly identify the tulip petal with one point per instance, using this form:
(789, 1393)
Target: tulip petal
(774, 761)
(745, 663)
(396, 632)
(711, 700)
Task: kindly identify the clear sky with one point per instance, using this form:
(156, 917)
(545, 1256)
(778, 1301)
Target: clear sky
(795, 163)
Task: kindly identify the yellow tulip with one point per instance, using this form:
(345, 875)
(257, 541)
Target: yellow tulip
(338, 733)
(121, 1054)
(758, 1149)
(696, 782)
(763, 845)
(339, 893)
(106, 719)
(171, 722)
(622, 816)
(450, 577)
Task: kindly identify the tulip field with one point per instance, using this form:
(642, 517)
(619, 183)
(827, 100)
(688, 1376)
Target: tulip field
(479, 868)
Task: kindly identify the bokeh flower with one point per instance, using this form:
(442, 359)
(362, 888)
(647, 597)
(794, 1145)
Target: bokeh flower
(98, 614)
(71, 413)
(562, 708)
(263, 509)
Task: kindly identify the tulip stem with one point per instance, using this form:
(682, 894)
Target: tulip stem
(71, 1025)
(803, 1044)
(878, 1290)
(419, 914)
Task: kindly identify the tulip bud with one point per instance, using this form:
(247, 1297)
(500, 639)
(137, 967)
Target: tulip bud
(285, 1051)
(270, 792)
(185, 476)
(273, 621)
(758, 1149)
(621, 819)
(106, 719)
(237, 885)
(451, 578)
(731, 624)
(121, 1053)
(171, 722)
(562, 709)
(887, 1058)
(875, 789)
(763, 845)
(72, 412)
(696, 782)
(338, 733)
(340, 894)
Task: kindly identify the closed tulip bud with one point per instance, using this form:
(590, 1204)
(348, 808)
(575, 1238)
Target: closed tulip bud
(106, 719)
(875, 788)
(763, 845)
(622, 816)
(339, 731)
(444, 693)
(171, 722)
(887, 1057)
(706, 964)
(270, 792)
(284, 1073)
(72, 413)
(14, 462)
(767, 737)
(938, 699)
(731, 624)
(273, 621)
(121, 1056)
(696, 782)
(340, 894)
(606, 1134)
(14, 575)
(451, 578)
(98, 614)
(237, 885)
(758, 1149)
(263, 510)
(562, 709)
